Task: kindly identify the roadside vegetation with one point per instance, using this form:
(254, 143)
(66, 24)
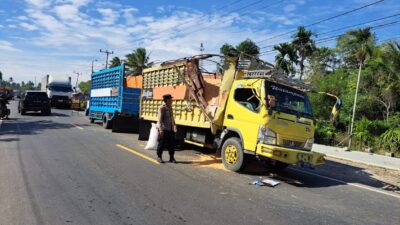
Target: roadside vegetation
(331, 70)
(335, 70)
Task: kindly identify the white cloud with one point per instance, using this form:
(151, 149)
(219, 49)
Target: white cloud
(128, 15)
(28, 26)
(38, 3)
(7, 46)
(67, 12)
(289, 8)
(74, 31)
(12, 26)
(160, 9)
(282, 19)
(109, 17)
(46, 21)
(22, 18)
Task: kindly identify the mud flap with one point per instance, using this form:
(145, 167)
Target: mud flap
(125, 124)
(144, 129)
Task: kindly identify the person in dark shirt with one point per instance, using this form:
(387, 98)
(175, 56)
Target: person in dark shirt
(166, 128)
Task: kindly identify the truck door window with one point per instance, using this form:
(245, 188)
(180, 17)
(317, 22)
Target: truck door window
(246, 97)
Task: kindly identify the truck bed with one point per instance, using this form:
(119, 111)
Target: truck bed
(108, 94)
(170, 80)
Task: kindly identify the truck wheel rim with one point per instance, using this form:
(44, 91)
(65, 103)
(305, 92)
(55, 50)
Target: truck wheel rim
(231, 154)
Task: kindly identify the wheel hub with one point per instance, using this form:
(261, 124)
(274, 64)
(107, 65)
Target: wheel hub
(231, 154)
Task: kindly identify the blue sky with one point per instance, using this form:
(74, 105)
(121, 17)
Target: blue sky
(58, 37)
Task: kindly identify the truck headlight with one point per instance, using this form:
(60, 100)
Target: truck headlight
(266, 136)
(309, 143)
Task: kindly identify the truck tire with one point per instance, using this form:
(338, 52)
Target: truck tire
(107, 124)
(23, 112)
(233, 155)
(91, 120)
(46, 112)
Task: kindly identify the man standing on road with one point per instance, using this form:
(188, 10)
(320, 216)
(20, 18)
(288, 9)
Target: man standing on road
(166, 128)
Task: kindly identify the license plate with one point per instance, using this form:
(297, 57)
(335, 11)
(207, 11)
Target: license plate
(304, 157)
(60, 100)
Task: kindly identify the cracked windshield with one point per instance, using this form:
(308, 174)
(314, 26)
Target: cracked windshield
(199, 112)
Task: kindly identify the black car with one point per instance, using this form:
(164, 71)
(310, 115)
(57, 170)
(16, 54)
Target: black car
(34, 101)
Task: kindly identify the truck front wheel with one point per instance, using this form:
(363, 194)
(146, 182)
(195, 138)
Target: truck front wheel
(233, 155)
(107, 123)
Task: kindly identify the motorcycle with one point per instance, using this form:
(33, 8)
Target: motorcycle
(4, 111)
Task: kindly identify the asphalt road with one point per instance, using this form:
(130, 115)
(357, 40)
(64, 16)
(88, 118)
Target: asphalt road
(60, 169)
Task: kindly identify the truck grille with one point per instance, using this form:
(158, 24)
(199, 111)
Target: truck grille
(292, 144)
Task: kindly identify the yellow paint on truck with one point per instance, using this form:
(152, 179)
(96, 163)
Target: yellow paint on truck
(242, 121)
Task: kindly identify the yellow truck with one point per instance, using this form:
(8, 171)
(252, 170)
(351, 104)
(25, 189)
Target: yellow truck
(249, 111)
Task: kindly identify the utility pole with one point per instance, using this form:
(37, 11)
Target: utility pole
(94, 60)
(201, 52)
(107, 53)
(354, 105)
(77, 78)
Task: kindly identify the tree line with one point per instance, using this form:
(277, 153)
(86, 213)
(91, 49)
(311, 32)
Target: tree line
(336, 70)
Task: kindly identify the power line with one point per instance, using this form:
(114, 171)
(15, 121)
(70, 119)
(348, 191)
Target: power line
(187, 22)
(229, 19)
(107, 53)
(359, 24)
(224, 15)
(323, 20)
(342, 28)
(326, 39)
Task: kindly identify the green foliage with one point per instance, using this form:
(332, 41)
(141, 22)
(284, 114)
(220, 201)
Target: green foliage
(304, 46)
(1, 75)
(361, 130)
(138, 60)
(115, 62)
(324, 133)
(228, 50)
(85, 86)
(390, 140)
(355, 46)
(286, 58)
(248, 47)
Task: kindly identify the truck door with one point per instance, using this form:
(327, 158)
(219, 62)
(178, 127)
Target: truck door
(243, 115)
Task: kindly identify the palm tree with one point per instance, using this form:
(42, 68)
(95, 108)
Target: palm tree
(115, 62)
(363, 41)
(138, 60)
(286, 58)
(1, 75)
(304, 45)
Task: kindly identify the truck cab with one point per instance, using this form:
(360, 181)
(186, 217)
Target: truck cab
(272, 119)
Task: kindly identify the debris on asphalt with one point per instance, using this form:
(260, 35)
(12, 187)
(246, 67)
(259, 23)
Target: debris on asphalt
(268, 182)
(257, 182)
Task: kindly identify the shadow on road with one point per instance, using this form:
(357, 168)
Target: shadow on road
(8, 139)
(59, 114)
(339, 173)
(16, 127)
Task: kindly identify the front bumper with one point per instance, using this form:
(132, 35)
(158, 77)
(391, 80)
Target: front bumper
(35, 108)
(290, 156)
